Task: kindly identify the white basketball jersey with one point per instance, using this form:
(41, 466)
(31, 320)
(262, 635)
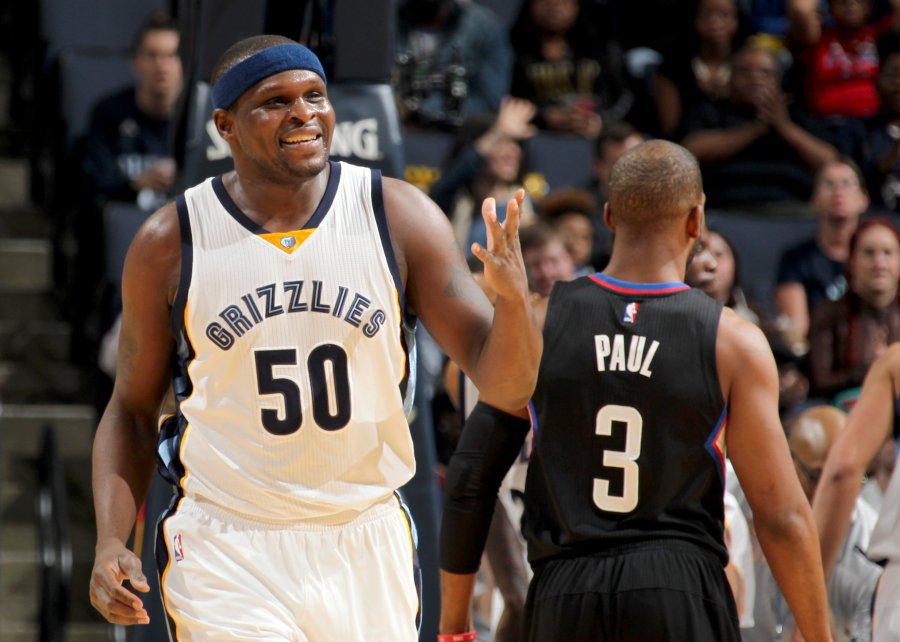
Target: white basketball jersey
(886, 538)
(292, 358)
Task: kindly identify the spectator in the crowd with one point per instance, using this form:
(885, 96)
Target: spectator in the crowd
(882, 151)
(126, 156)
(699, 71)
(546, 258)
(839, 63)
(757, 150)
(617, 138)
(852, 585)
(847, 335)
(813, 271)
(572, 72)
(453, 62)
(486, 160)
(715, 269)
(571, 211)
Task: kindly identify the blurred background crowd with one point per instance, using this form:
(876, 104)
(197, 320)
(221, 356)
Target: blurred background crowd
(792, 108)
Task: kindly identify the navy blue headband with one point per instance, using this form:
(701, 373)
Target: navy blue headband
(262, 64)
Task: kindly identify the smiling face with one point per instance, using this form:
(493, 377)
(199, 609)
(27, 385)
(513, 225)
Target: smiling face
(280, 129)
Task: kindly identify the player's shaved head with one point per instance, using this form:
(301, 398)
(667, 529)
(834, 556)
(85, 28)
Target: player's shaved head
(245, 48)
(813, 432)
(810, 438)
(654, 185)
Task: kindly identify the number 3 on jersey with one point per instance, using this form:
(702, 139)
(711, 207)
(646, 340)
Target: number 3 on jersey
(624, 459)
(329, 384)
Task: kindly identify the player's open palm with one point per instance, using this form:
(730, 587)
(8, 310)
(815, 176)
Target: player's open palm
(504, 269)
(114, 564)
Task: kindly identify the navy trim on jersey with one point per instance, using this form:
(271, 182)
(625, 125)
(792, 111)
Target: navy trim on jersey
(713, 450)
(532, 415)
(314, 221)
(171, 432)
(385, 234)
(163, 561)
(187, 262)
(417, 565)
(627, 287)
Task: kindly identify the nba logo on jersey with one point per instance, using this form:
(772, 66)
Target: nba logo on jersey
(176, 546)
(288, 242)
(631, 312)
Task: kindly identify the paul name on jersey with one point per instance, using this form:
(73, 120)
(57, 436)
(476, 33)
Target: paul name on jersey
(612, 356)
(271, 300)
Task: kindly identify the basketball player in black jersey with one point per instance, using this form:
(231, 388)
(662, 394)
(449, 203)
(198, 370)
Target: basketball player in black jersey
(642, 385)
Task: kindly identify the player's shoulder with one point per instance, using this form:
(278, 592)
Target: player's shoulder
(736, 333)
(409, 210)
(157, 244)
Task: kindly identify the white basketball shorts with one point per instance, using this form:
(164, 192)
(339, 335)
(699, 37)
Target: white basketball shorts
(227, 578)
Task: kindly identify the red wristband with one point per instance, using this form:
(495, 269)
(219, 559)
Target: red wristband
(468, 636)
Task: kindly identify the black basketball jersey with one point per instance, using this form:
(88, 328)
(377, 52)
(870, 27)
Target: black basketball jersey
(629, 420)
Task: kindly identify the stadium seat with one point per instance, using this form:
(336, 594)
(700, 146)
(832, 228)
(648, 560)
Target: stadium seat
(759, 242)
(425, 153)
(560, 160)
(85, 76)
(121, 222)
(92, 23)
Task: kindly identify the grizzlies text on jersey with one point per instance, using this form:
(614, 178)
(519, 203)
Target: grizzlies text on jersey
(293, 359)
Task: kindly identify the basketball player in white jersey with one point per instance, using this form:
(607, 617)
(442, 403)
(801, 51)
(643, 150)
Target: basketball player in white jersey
(872, 421)
(276, 301)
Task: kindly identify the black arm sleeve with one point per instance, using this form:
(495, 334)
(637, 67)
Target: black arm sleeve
(490, 442)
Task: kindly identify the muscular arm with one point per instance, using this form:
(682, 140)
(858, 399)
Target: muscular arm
(813, 151)
(124, 446)
(758, 450)
(790, 301)
(868, 425)
(715, 145)
(498, 348)
(668, 105)
(490, 442)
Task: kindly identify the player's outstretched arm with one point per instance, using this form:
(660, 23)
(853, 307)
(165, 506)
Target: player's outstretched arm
(868, 425)
(489, 444)
(759, 452)
(125, 443)
(499, 348)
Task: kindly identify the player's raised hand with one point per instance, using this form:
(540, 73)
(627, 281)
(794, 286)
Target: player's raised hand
(504, 269)
(113, 564)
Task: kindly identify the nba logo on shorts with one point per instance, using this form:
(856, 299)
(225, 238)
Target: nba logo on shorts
(631, 312)
(176, 546)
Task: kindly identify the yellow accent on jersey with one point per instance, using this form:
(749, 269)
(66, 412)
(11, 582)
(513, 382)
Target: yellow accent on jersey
(287, 241)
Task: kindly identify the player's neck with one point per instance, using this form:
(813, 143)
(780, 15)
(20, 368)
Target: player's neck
(638, 265)
(275, 206)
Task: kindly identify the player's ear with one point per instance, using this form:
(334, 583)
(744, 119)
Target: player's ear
(608, 217)
(696, 222)
(224, 123)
